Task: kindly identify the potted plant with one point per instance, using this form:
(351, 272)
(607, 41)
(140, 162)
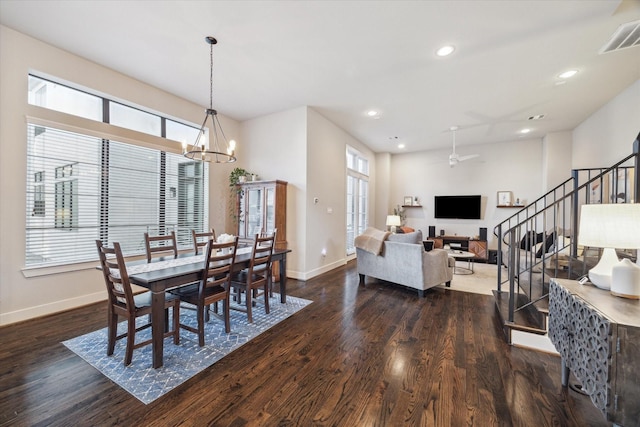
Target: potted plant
(237, 176)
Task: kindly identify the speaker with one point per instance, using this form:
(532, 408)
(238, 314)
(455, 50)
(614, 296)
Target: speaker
(432, 231)
(442, 232)
(483, 233)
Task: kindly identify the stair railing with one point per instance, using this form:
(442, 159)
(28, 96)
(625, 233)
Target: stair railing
(550, 224)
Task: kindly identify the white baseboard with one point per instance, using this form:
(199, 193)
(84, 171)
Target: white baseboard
(298, 275)
(54, 307)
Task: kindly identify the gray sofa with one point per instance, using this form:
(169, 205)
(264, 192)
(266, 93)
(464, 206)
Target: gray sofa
(401, 258)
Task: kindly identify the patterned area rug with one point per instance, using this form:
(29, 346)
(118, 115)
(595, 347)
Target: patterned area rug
(183, 361)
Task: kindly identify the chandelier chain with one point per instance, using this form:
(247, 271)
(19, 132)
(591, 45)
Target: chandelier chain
(211, 79)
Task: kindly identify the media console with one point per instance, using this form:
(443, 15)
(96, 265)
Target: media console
(475, 246)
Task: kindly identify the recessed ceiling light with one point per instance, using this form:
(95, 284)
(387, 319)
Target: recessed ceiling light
(372, 113)
(537, 117)
(445, 50)
(568, 74)
(401, 146)
(525, 130)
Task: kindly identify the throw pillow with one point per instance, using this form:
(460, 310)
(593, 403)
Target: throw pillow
(547, 244)
(530, 240)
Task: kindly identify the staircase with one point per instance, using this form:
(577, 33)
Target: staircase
(545, 242)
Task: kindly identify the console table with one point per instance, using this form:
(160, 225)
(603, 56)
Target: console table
(475, 246)
(598, 337)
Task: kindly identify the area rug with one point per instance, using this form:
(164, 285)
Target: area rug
(183, 361)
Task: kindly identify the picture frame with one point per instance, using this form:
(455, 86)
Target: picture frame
(408, 201)
(505, 198)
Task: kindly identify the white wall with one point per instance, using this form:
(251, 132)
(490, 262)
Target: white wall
(511, 166)
(54, 289)
(383, 192)
(275, 147)
(308, 151)
(607, 136)
(556, 153)
(326, 177)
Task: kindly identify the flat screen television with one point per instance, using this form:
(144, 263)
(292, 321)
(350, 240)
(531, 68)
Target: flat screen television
(457, 207)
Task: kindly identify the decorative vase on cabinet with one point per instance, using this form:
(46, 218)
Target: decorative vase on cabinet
(262, 208)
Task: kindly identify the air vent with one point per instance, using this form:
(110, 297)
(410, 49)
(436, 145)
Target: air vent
(627, 35)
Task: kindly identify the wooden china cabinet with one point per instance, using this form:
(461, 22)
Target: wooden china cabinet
(262, 207)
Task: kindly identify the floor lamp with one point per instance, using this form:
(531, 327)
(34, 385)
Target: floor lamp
(612, 226)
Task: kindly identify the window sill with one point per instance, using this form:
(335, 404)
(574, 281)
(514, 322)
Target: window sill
(29, 272)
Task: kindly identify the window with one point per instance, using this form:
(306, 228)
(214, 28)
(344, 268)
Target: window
(132, 118)
(38, 194)
(66, 213)
(101, 188)
(58, 97)
(357, 197)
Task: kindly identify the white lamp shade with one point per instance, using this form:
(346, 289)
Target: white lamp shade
(393, 220)
(609, 226)
(614, 225)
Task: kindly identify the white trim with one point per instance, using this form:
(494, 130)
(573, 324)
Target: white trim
(51, 308)
(57, 269)
(68, 122)
(297, 275)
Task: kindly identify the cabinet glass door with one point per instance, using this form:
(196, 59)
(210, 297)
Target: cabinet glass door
(270, 211)
(242, 209)
(254, 213)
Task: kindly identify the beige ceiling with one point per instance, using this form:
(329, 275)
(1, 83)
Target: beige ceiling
(344, 58)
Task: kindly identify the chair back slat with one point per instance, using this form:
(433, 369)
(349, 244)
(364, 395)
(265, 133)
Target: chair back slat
(159, 245)
(200, 240)
(115, 275)
(218, 264)
(261, 253)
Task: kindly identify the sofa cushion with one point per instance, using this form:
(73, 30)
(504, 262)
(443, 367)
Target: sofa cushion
(415, 237)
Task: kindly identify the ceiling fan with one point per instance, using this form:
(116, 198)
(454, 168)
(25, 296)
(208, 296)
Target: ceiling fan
(454, 158)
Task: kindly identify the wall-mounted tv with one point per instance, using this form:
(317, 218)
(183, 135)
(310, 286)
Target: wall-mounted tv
(457, 207)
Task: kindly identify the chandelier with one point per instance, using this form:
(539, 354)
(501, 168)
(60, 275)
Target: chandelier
(221, 150)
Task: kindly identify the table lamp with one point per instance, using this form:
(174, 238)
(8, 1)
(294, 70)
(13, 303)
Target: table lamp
(393, 221)
(612, 226)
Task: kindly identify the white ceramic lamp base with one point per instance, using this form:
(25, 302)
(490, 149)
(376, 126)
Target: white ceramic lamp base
(625, 280)
(600, 275)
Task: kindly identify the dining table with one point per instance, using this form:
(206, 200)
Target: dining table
(165, 273)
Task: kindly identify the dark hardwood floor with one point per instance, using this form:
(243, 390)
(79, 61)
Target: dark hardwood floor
(358, 356)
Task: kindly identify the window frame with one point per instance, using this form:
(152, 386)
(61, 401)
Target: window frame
(42, 117)
(357, 169)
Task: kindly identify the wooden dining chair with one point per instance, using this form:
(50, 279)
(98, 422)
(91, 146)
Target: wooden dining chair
(123, 303)
(200, 240)
(214, 286)
(257, 276)
(161, 245)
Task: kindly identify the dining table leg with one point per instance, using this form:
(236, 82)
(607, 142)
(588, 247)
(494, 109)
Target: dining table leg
(283, 278)
(157, 327)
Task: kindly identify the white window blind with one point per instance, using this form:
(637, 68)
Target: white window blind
(81, 188)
